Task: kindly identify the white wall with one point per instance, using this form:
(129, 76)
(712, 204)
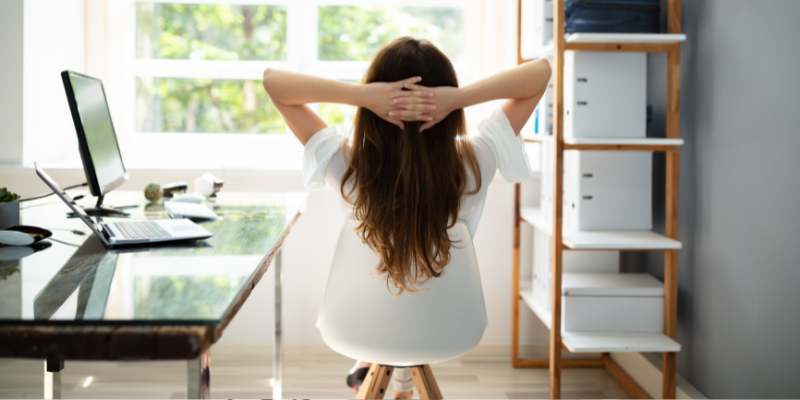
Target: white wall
(11, 81)
(54, 41)
(738, 274)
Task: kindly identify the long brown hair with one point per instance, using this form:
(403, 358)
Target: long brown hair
(408, 185)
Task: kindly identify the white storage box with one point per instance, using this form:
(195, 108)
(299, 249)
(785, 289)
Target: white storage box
(605, 94)
(612, 303)
(608, 190)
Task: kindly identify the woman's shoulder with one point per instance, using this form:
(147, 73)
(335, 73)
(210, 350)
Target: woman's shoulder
(317, 155)
(496, 142)
(494, 126)
(491, 130)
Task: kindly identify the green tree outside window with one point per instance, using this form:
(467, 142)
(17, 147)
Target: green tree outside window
(355, 33)
(258, 33)
(205, 106)
(210, 31)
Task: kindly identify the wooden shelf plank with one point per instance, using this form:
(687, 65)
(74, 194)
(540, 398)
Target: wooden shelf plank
(602, 240)
(615, 144)
(608, 342)
(624, 141)
(639, 38)
(618, 240)
(621, 47)
(640, 42)
(622, 144)
(620, 147)
(604, 342)
(533, 216)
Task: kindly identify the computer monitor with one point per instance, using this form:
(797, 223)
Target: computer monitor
(97, 140)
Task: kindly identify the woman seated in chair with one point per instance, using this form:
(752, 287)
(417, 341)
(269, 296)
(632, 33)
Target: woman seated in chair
(409, 170)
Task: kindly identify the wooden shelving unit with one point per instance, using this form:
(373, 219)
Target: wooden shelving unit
(603, 342)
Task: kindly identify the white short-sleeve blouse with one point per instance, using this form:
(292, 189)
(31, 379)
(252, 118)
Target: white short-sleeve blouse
(496, 147)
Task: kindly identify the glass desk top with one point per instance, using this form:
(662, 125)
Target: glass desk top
(73, 279)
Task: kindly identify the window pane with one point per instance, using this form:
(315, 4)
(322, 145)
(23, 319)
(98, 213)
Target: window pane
(355, 33)
(210, 31)
(335, 114)
(204, 106)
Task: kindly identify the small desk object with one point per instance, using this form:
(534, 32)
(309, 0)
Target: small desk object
(76, 300)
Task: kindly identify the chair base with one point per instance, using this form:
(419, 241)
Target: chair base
(378, 377)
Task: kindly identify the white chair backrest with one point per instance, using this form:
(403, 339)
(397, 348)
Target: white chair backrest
(359, 318)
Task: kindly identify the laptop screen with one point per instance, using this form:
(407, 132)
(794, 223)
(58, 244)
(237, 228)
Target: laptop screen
(68, 200)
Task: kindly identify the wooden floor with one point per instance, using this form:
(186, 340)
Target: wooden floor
(310, 371)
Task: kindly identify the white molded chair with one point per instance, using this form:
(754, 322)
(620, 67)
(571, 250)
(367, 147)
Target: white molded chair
(362, 320)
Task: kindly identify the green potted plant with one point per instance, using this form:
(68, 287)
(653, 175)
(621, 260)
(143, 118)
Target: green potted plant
(9, 209)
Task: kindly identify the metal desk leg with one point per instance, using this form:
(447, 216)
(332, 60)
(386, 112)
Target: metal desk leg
(199, 374)
(277, 355)
(52, 379)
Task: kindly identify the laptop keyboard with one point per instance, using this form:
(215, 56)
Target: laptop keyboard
(141, 229)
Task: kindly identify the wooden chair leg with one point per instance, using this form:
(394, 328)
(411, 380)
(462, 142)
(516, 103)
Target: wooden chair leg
(376, 382)
(425, 382)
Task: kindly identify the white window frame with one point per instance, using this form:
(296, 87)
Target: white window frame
(246, 150)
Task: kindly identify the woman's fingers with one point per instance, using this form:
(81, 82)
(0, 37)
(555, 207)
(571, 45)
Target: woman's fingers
(416, 107)
(416, 95)
(413, 100)
(426, 126)
(406, 115)
(418, 88)
(408, 81)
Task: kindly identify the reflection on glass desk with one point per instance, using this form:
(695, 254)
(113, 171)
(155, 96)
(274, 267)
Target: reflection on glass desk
(77, 281)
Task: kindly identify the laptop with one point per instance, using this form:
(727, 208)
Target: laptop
(130, 232)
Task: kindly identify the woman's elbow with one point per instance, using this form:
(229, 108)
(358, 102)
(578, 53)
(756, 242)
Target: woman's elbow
(546, 72)
(267, 78)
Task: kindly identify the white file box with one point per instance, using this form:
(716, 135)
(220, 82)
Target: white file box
(612, 303)
(605, 94)
(608, 190)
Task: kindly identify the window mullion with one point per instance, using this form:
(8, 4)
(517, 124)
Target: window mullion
(301, 25)
(204, 68)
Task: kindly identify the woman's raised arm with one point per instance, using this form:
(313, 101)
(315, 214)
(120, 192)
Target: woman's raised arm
(523, 85)
(290, 92)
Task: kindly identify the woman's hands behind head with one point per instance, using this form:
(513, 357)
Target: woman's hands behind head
(379, 98)
(444, 100)
(392, 103)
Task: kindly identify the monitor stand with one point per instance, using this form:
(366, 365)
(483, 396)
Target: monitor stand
(99, 211)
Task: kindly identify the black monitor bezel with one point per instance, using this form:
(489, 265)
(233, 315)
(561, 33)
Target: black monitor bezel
(86, 157)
